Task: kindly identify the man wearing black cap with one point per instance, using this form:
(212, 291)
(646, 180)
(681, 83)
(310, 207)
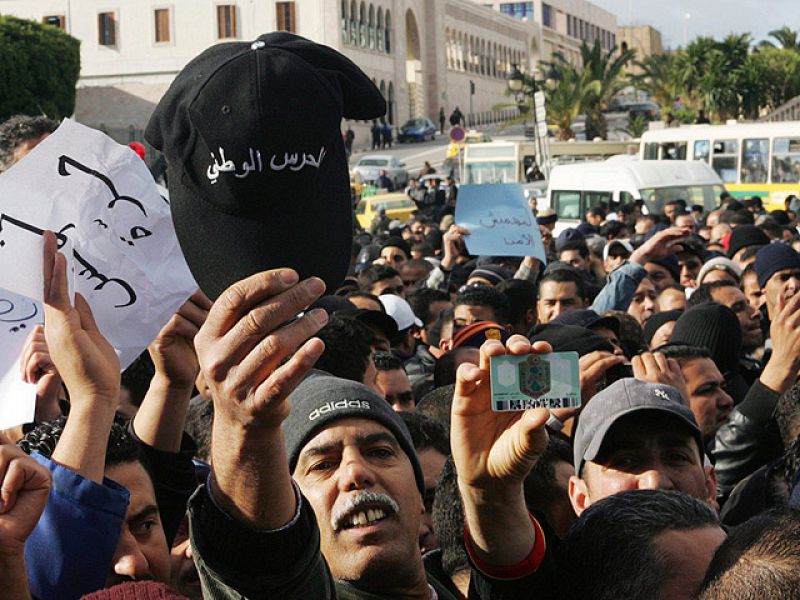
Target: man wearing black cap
(350, 523)
(395, 252)
(742, 238)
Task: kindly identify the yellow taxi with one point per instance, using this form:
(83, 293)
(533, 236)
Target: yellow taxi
(397, 205)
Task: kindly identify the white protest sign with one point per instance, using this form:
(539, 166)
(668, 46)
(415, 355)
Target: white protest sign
(100, 197)
(18, 316)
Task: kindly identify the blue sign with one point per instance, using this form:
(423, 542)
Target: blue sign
(499, 220)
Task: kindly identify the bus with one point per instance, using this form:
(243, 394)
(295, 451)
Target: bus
(498, 162)
(752, 159)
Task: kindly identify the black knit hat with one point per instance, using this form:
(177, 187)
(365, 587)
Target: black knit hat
(670, 263)
(773, 258)
(743, 236)
(570, 338)
(397, 242)
(655, 322)
(321, 398)
(714, 327)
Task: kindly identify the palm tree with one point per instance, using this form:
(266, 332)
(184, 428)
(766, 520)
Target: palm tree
(787, 38)
(568, 95)
(607, 69)
(659, 78)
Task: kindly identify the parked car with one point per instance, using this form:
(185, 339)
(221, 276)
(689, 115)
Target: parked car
(397, 206)
(649, 110)
(417, 130)
(370, 165)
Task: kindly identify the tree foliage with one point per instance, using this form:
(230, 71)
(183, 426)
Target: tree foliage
(39, 67)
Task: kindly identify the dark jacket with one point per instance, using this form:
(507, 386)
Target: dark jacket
(236, 562)
(749, 439)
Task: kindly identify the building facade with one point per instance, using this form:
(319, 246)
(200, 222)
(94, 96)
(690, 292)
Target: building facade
(565, 25)
(645, 40)
(424, 55)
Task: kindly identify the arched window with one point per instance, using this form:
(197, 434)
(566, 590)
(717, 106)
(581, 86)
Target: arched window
(390, 104)
(382, 88)
(388, 32)
(353, 23)
(362, 26)
(344, 22)
(379, 31)
(371, 28)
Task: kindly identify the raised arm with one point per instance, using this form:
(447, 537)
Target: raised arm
(87, 364)
(240, 348)
(493, 453)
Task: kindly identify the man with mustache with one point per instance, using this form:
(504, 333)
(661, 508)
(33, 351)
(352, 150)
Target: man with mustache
(315, 489)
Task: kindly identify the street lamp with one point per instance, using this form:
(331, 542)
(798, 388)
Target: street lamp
(515, 82)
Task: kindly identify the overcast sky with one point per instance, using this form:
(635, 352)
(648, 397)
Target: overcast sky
(715, 18)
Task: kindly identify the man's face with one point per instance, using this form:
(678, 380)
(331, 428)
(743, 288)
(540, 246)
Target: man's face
(660, 276)
(594, 219)
(686, 221)
(392, 285)
(142, 551)
(411, 275)
(688, 553)
(574, 258)
(361, 486)
(394, 257)
(783, 284)
(612, 262)
(395, 386)
(671, 299)
(556, 298)
(671, 211)
(690, 266)
(753, 291)
(611, 337)
(644, 450)
(710, 403)
(432, 463)
(749, 317)
(464, 314)
(645, 301)
(185, 579)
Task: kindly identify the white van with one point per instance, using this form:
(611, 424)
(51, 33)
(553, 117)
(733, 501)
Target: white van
(574, 189)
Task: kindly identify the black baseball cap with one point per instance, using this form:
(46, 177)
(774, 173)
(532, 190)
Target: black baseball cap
(256, 164)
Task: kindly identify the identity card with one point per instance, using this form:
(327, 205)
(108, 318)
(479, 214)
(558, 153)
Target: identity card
(535, 381)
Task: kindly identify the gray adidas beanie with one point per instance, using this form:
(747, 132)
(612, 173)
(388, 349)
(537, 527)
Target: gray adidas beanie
(321, 398)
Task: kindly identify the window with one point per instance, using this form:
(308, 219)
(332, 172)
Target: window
(345, 28)
(226, 21)
(786, 160)
(568, 204)
(106, 29)
(724, 159)
(284, 17)
(162, 25)
(702, 150)
(673, 151)
(651, 151)
(547, 15)
(755, 160)
(55, 20)
(518, 10)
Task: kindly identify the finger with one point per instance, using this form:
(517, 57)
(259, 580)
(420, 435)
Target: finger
(649, 362)
(598, 369)
(468, 376)
(280, 384)
(37, 365)
(674, 368)
(12, 483)
(638, 367)
(193, 312)
(56, 291)
(201, 300)
(270, 351)
(488, 349)
(791, 307)
(242, 296)
(518, 344)
(183, 327)
(661, 361)
(85, 312)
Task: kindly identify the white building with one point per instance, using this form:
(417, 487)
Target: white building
(423, 54)
(565, 24)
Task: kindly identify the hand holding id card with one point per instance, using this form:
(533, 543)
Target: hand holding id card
(535, 381)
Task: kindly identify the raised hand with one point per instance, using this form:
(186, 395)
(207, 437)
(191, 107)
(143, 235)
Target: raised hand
(654, 367)
(781, 370)
(24, 488)
(660, 245)
(37, 367)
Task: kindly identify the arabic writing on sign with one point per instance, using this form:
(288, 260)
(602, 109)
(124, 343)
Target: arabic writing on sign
(491, 221)
(294, 162)
(526, 239)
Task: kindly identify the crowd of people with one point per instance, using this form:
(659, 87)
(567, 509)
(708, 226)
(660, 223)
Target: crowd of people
(281, 439)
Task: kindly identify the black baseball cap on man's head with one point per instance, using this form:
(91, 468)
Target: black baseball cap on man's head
(256, 163)
(621, 398)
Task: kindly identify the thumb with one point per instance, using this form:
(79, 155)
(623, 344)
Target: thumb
(533, 435)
